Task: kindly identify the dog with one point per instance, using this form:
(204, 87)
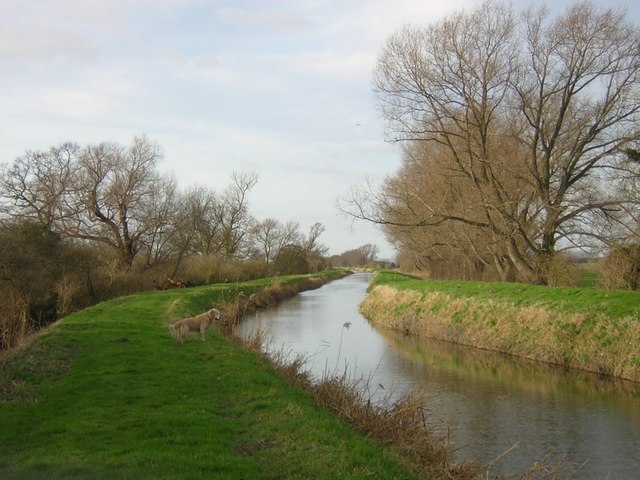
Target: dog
(199, 323)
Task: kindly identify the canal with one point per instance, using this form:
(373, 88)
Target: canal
(485, 404)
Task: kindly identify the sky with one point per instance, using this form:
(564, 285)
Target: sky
(279, 88)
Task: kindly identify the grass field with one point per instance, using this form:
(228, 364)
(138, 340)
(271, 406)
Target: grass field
(107, 393)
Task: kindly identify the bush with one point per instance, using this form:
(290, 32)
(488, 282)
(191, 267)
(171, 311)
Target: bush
(621, 269)
(213, 268)
(291, 259)
(14, 318)
(43, 311)
(556, 271)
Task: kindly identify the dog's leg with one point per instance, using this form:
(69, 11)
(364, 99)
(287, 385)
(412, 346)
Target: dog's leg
(174, 332)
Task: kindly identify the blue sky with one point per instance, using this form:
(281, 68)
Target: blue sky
(281, 88)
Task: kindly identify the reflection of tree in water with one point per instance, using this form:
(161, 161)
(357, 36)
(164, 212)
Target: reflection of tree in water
(514, 376)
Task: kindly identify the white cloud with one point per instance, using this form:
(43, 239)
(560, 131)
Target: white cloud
(333, 64)
(269, 21)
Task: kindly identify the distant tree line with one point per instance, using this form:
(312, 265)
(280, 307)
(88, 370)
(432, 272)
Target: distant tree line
(82, 224)
(520, 135)
(363, 256)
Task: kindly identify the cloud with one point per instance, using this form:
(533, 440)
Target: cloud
(264, 21)
(338, 65)
(18, 44)
(45, 32)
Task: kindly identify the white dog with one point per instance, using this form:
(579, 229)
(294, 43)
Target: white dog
(199, 323)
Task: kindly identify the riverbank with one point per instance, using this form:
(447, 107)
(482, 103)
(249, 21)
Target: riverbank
(580, 328)
(108, 393)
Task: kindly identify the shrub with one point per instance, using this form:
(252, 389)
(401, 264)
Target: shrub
(621, 269)
(556, 271)
(14, 318)
(291, 259)
(214, 268)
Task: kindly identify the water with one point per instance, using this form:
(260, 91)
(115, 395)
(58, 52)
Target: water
(483, 403)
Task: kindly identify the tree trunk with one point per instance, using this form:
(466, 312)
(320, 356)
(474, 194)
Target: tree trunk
(519, 262)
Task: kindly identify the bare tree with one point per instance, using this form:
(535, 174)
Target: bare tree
(234, 217)
(310, 242)
(265, 234)
(115, 194)
(198, 223)
(358, 257)
(270, 236)
(369, 253)
(579, 99)
(627, 184)
(160, 240)
(521, 119)
(104, 193)
(35, 185)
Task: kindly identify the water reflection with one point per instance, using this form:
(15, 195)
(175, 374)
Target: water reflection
(485, 403)
(516, 376)
(494, 402)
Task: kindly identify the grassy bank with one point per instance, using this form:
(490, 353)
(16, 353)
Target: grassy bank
(107, 393)
(582, 328)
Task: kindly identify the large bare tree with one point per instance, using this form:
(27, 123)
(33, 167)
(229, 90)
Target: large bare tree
(519, 120)
(105, 193)
(116, 194)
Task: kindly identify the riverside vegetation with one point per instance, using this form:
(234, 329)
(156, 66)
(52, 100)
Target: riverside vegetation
(108, 393)
(581, 328)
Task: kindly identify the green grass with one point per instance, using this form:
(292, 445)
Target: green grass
(107, 393)
(587, 275)
(613, 304)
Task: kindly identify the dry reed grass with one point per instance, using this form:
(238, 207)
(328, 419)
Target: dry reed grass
(275, 293)
(232, 313)
(401, 424)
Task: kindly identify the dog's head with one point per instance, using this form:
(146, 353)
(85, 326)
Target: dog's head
(215, 313)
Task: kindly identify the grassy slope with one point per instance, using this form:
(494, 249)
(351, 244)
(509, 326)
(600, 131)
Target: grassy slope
(583, 328)
(107, 393)
(613, 304)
